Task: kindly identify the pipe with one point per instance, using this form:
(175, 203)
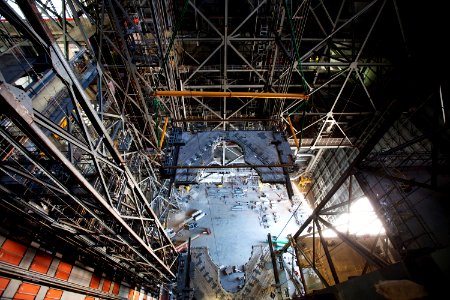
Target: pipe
(230, 94)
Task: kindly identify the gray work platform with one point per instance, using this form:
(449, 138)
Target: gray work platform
(259, 147)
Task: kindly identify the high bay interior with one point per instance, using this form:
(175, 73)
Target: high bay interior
(258, 149)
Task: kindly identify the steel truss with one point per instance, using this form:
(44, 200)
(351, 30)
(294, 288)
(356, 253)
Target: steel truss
(399, 169)
(269, 48)
(93, 176)
(97, 177)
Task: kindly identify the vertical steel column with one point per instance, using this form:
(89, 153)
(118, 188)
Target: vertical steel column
(225, 66)
(24, 120)
(350, 196)
(327, 253)
(274, 266)
(187, 280)
(293, 133)
(362, 250)
(299, 264)
(321, 277)
(387, 119)
(159, 254)
(131, 69)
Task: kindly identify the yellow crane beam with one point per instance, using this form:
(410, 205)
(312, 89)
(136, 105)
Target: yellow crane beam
(163, 132)
(293, 132)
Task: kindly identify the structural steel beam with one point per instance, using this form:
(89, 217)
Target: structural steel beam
(386, 120)
(228, 166)
(230, 94)
(327, 253)
(59, 187)
(163, 132)
(298, 257)
(362, 250)
(23, 118)
(202, 120)
(146, 241)
(311, 263)
(293, 132)
(276, 275)
(385, 174)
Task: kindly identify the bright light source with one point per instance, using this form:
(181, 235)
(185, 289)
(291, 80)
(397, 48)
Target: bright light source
(362, 220)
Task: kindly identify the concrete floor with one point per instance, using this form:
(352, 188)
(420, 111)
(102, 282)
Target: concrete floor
(233, 282)
(236, 222)
(210, 283)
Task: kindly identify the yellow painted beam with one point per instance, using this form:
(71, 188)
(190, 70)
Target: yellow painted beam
(293, 132)
(164, 132)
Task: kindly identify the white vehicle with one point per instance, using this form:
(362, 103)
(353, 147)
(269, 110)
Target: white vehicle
(197, 213)
(199, 216)
(170, 232)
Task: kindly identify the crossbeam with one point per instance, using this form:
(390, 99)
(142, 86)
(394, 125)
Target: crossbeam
(230, 94)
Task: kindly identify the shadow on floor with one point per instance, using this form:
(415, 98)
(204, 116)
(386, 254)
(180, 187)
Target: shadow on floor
(232, 280)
